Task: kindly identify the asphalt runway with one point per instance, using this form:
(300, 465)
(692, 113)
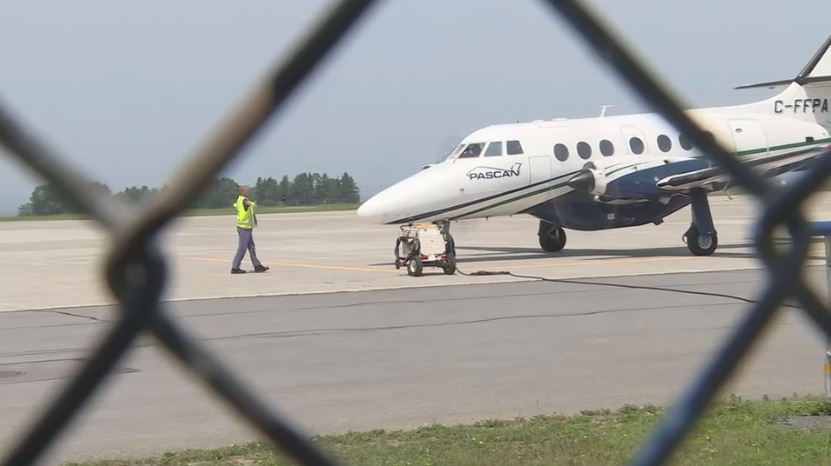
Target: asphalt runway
(376, 357)
(406, 358)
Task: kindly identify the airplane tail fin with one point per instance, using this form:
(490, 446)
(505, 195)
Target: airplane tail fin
(806, 97)
(818, 70)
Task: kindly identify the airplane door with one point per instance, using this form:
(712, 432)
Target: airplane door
(630, 132)
(539, 168)
(749, 135)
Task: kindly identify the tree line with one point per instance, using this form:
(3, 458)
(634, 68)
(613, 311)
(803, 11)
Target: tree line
(306, 189)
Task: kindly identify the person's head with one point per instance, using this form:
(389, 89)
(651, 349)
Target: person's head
(243, 191)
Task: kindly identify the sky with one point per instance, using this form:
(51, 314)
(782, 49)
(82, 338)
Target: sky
(126, 90)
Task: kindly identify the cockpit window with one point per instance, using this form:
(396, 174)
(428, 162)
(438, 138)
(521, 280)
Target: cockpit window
(513, 148)
(494, 149)
(472, 150)
(452, 154)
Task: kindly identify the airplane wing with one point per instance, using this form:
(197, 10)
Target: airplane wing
(637, 179)
(767, 166)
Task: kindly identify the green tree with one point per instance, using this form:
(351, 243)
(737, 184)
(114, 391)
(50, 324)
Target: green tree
(221, 192)
(258, 193)
(304, 189)
(138, 195)
(47, 199)
(285, 188)
(348, 191)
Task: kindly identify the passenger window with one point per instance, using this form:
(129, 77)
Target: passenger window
(472, 150)
(513, 148)
(664, 143)
(607, 148)
(584, 150)
(561, 152)
(636, 145)
(685, 142)
(494, 149)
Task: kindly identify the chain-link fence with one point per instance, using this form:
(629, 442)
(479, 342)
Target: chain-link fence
(136, 270)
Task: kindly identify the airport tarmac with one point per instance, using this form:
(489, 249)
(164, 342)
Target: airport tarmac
(384, 358)
(328, 252)
(407, 358)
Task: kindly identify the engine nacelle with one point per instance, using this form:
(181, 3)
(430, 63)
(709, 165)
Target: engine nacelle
(590, 180)
(630, 178)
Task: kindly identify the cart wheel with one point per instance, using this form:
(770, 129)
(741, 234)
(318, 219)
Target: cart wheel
(450, 267)
(415, 267)
(397, 264)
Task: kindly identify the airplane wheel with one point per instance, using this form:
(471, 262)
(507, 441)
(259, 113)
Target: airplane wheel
(415, 267)
(553, 240)
(701, 245)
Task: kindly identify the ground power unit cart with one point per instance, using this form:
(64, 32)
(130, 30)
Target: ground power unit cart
(420, 246)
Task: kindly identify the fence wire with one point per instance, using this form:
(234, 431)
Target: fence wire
(136, 269)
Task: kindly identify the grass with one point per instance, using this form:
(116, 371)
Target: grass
(200, 212)
(734, 432)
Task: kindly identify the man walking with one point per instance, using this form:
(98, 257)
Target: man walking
(246, 221)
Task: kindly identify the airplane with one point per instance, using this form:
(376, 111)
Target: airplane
(608, 172)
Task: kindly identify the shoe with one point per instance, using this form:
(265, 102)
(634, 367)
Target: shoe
(260, 269)
(236, 271)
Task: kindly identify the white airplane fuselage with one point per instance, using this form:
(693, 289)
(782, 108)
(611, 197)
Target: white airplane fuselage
(611, 171)
(491, 186)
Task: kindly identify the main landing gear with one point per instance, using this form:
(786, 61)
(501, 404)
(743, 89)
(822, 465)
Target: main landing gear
(552, 237)
(701, 237)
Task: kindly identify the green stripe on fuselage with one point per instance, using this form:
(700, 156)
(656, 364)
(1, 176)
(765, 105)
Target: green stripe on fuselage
(793, 145)
(744, 153)
(520, 196)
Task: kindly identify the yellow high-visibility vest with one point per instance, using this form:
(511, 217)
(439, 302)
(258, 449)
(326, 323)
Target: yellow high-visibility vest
(245, 218)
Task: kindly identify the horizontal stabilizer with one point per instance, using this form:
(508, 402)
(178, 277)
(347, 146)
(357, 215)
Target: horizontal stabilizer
(787, 82)
(817, 70)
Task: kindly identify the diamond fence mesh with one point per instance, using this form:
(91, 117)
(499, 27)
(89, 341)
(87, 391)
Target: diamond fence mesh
(136, 269)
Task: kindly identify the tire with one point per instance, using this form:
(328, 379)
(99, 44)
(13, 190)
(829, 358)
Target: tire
(415, 267)
(553, 240)
(701, 245)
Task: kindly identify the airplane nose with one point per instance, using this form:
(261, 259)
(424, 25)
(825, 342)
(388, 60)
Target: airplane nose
(411, 197)
(371, 209)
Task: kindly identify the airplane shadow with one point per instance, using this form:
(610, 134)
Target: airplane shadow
(507, 253)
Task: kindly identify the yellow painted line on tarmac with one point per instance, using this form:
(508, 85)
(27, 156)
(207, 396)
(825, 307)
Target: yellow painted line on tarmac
(594, 262)
(308, 266)
(497, 263)
(633, 260)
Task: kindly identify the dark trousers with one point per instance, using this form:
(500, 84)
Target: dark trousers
(246, 243)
